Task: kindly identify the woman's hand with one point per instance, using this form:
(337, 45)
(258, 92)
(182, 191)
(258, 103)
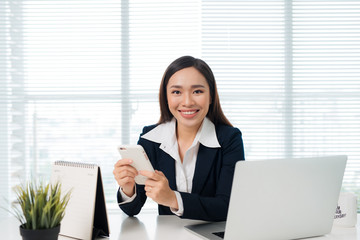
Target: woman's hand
(157, 188)
(125, 176)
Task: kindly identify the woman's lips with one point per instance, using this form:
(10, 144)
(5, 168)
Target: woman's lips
(188, 113)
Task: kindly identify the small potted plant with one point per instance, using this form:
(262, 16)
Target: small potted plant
(42, 207)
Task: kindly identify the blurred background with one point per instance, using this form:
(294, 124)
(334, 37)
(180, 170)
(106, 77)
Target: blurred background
(80, 77)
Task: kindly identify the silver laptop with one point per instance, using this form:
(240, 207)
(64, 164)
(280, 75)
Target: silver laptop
(280, 199)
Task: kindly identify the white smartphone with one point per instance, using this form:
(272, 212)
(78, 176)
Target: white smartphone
(140, 160)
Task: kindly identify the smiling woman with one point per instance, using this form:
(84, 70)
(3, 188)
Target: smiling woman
(193, 156)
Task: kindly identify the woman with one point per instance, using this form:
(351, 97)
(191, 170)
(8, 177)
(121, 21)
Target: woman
(193, 148)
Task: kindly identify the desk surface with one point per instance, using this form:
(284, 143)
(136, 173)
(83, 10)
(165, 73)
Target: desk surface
(148, 225)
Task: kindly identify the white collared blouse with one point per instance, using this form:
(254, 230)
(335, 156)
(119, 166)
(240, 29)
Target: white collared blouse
(165, 134)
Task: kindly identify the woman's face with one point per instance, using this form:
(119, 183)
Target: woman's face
(188, 96)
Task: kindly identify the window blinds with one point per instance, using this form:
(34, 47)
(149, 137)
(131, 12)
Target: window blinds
(80, 77)
(326, 82)
(62, 85)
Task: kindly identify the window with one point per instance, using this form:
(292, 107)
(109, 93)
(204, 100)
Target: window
(80, 77)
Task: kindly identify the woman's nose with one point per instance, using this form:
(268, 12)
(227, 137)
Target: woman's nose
(188, 100)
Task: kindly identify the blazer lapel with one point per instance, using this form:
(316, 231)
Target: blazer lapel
(167, 166)
(204, 162)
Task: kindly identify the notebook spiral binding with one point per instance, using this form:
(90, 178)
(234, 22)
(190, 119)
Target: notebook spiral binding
(75, 164)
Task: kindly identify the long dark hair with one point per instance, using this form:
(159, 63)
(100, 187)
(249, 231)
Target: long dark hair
(215, 113)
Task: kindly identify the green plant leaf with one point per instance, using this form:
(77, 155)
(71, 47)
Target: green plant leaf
(41, 205)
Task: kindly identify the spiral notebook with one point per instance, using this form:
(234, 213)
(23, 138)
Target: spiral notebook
(85, 215)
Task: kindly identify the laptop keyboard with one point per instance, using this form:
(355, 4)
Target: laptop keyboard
(219, 234)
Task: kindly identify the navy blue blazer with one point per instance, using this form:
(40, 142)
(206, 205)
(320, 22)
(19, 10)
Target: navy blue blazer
(214, 171)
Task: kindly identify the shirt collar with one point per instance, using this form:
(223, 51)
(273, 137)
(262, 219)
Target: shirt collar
(208, 136)
(165, 134)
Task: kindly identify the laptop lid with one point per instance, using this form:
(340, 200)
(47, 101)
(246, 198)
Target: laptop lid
(284, 199)
(280, 199)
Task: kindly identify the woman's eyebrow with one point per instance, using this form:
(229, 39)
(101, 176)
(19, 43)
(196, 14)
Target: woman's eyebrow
(175, 86)
(197, 86)
(192, 86)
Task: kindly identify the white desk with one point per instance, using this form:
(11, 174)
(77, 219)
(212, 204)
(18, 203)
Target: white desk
(149, 225)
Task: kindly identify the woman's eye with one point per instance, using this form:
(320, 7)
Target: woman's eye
(198, 91)
(175, 92)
